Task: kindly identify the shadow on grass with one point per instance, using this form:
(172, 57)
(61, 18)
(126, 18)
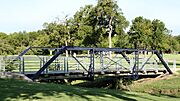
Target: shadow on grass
(15, 90)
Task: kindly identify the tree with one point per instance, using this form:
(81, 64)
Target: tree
(159, 35)
(102, 22)
(177, 38)
(172, 44)
(3, 35)
(83, 25)
(122, 41)
(139, 33)
(18, 41)
(60, 33)
(32, 36)
(42, 40)
(5, 48)
(110, 18)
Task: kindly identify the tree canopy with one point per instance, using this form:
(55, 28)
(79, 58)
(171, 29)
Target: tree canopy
(100, 25)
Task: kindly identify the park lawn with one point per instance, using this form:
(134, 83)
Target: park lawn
(24, 91)
(171, 58)
(170, 85)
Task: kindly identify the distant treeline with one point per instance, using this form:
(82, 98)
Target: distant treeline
(102, 25)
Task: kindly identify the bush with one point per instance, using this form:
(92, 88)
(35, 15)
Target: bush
(10, 66)
(108, 83)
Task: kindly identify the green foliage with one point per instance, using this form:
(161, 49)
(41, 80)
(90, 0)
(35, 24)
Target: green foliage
(107, 83)
(177, 38)
(148, 34)
(5, 48)
(10, 66)
(103, 22)
(173, 44)
(140, 31)
(159, 33)
(122, 41)
(101, 25)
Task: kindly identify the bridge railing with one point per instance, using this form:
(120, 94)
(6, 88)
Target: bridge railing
(95, 60)
(33, 63)
(28, 64)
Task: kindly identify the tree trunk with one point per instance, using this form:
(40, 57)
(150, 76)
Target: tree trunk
(67, 41)
(110, 35)
(69, 37)
(66, 44)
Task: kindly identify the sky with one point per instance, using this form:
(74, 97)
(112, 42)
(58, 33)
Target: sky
(30, 15)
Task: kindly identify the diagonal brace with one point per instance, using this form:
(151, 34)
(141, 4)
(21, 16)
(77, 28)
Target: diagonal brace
(163, 62)
(80, 63)
(116, 62)
(146, 62)
(48, 63)
(126, 58)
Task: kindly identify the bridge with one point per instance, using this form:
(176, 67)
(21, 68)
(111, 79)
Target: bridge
(88, 63)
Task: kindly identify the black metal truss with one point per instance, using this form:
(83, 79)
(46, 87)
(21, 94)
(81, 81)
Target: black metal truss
(92, 60)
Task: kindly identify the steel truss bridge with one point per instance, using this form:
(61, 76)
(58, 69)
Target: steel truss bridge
(94, 62)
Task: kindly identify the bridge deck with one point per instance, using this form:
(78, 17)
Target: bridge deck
(82, 75)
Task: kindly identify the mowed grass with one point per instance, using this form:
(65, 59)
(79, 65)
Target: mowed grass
(170, 85)
(171, 58)
(13, 90)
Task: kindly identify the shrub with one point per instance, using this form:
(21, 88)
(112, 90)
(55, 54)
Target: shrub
(10, 65)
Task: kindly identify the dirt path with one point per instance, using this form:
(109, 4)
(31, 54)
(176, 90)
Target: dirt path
(14, 76)
(163, 76)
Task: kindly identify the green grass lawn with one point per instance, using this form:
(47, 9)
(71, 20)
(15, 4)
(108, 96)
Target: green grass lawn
(13, 90)
(168, 86)
(171, 58)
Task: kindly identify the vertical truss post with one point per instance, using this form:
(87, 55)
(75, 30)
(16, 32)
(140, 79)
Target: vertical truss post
(0, 65)
(46, 70)
(40, 63)
(101, 60)
(91, 67)
(23, 65)
(65, 64)
(20, 64)
(55, 64)
(136, 65)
